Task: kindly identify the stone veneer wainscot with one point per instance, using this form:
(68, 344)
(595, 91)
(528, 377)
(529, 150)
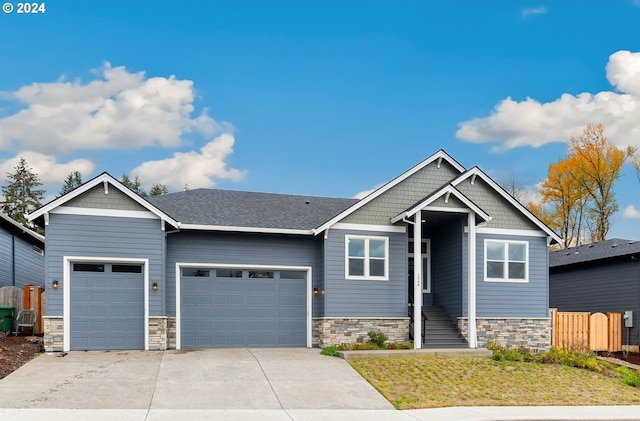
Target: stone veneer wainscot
(335, 331)
(53, 338)
(531, 333)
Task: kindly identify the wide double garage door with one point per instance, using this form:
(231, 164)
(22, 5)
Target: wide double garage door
(242, 307)
(107, 306)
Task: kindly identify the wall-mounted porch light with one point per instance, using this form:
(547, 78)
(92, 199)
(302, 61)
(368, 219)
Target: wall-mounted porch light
(154, 286)
(55, 284)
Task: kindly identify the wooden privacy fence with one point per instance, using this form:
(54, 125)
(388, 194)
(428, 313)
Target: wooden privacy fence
(28, 297)
(578, 329)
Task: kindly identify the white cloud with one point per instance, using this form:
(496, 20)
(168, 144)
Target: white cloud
(531, 11)
(532, 123)
(196, 169)
(630, 212)
(117, 110)
(46, 166)
(365, 193)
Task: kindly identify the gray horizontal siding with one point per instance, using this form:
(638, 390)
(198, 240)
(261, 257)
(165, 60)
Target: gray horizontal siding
(512, 299)
(242, 249)
(98, 236)
(6, 259)
(29, 266)
(609, 286)
(447, 268)
(362, 298)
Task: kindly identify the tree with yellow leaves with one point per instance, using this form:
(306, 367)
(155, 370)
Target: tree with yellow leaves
(578, 190)
(597, 165)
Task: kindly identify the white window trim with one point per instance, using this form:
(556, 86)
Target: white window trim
(366, 277)
(507, 280)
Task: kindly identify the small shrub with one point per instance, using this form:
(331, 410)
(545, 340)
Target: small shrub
(628, 376)
(392, 345)
(377, 338)
(330, 351)
(406, 345)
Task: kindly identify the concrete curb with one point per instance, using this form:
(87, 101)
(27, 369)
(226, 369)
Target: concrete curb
(452, 352)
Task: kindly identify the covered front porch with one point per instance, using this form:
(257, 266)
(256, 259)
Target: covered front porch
(439, 257)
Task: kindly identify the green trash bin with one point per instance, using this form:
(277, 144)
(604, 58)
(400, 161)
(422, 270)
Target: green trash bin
(6, 318)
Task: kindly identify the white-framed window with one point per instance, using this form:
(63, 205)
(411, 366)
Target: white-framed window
(366, 257)
(506, 261)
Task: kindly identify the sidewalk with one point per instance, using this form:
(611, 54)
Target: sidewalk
(436, 414)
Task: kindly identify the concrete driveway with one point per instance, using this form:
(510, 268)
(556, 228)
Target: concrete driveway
(227, 379)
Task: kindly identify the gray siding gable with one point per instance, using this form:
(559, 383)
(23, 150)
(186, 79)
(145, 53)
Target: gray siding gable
(405, 194)
(503, 214)
(96, 198)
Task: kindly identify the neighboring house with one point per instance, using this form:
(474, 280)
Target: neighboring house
(21, 254)
(599, 277)
(216, 268)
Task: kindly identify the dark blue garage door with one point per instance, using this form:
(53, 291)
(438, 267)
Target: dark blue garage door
(240, 307)
(107, 306)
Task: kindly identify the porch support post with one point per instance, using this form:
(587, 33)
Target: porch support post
(471, 281)
(417, 281)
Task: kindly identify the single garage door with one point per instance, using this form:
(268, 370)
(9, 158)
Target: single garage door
(107, 306)
(240, 307)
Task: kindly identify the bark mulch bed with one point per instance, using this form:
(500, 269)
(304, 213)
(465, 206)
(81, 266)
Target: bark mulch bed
(631, 357)
(16, 351)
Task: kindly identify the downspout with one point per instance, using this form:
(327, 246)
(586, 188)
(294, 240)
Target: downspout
(13, 259)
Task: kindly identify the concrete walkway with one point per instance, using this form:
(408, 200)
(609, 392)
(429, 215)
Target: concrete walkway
(233, 384)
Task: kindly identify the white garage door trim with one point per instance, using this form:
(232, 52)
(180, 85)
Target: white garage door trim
(180, 265)
(66, 285)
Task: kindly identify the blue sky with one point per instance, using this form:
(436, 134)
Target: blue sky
(326, 98)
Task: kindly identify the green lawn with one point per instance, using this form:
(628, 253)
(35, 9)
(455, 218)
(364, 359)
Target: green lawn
(435, 381)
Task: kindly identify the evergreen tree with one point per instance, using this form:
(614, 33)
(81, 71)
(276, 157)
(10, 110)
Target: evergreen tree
(158, 190)
(21, 194)
(73, 180)
(135, 185)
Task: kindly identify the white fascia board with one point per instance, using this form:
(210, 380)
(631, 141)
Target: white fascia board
(441, 154)
(477, 172)
(104, 177)
(245, 229)
(512, 232)
(372, 228)
(443, 191)
(24, 229)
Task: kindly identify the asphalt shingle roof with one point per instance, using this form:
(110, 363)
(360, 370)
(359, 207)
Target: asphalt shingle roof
(249, 209)
(607, 249)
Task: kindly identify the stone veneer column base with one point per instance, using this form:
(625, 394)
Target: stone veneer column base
(53, 337)
(158, 333)
(513, 332)
(339, 330)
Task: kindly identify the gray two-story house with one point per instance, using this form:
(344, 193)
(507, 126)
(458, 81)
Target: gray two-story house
(215, 268)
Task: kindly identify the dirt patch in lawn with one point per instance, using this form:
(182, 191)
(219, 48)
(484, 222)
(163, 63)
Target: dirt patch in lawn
(15, 351)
